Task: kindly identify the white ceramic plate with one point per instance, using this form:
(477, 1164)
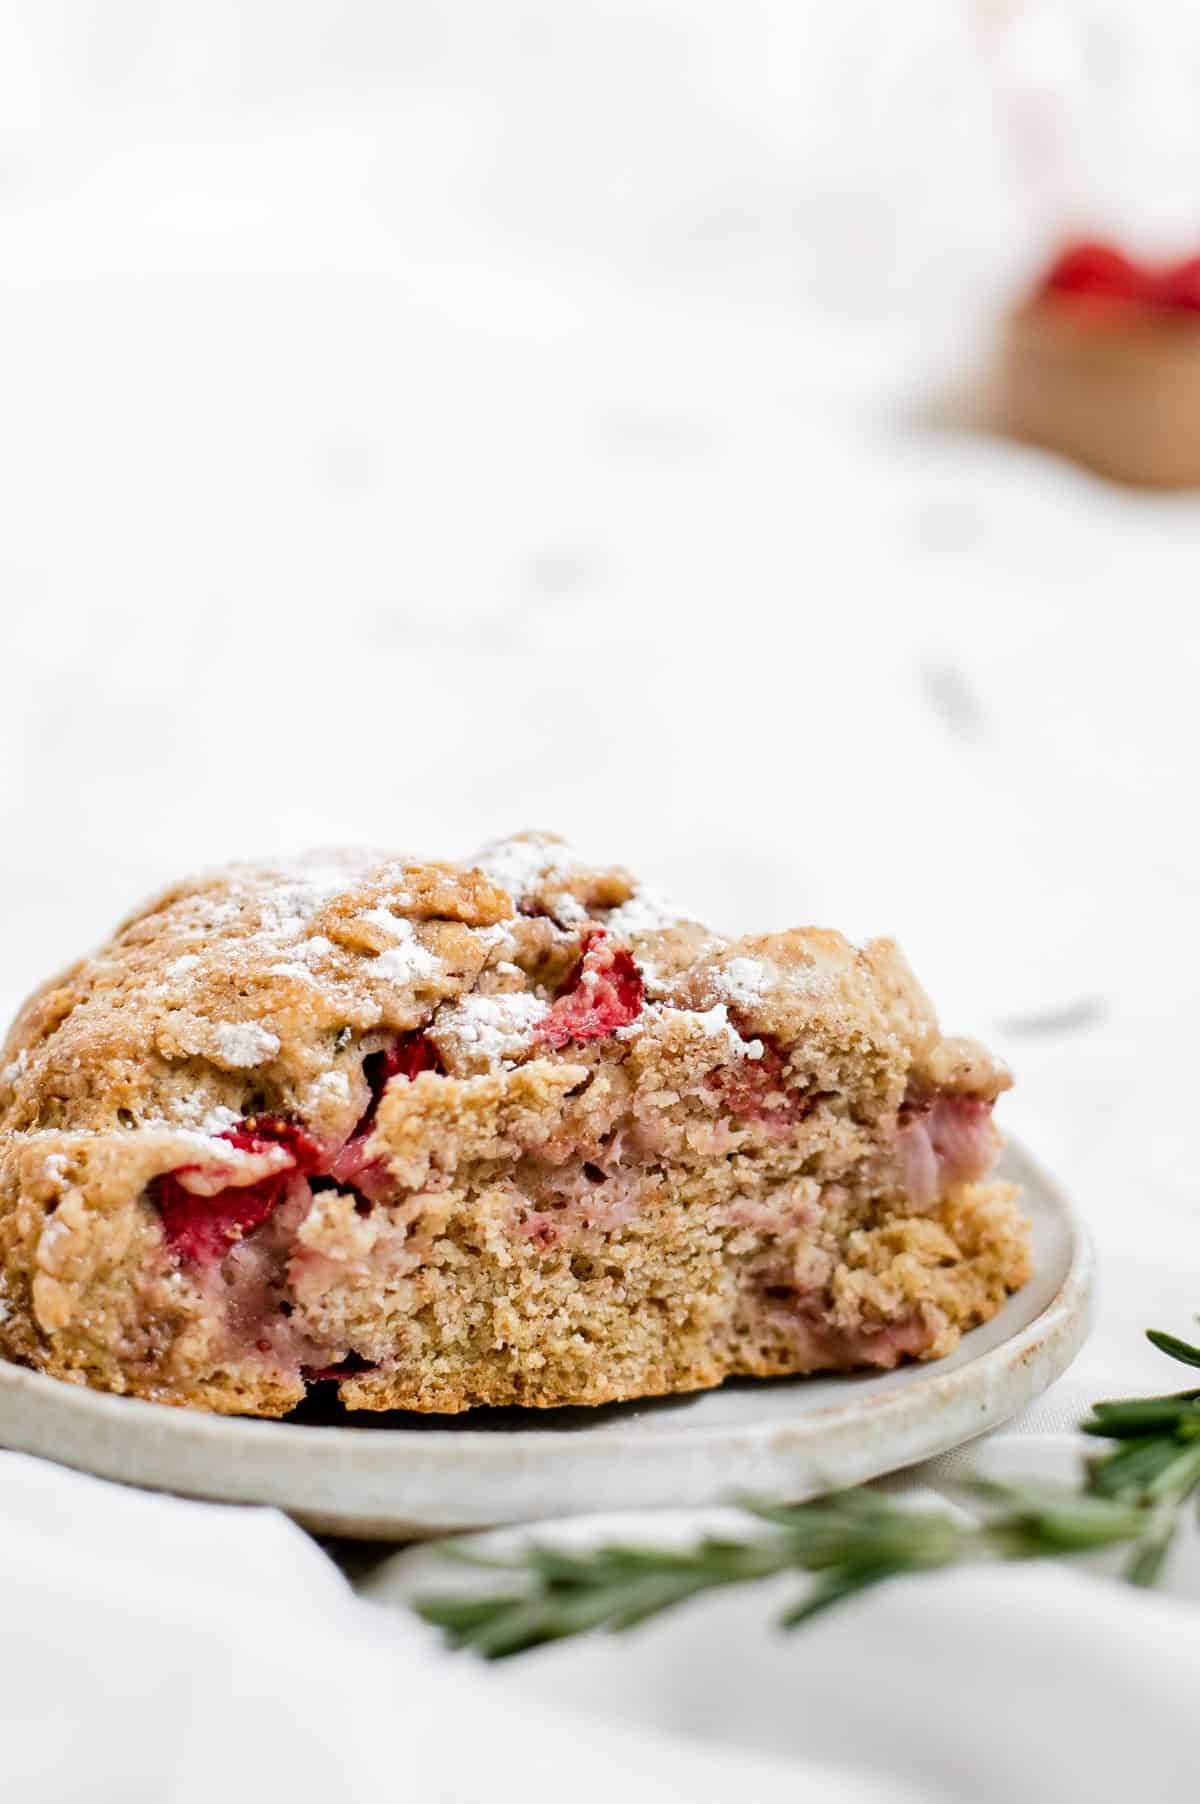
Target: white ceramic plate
(400, 1475)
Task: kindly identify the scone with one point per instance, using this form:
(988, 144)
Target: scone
(501, 1132)
(1102, 364)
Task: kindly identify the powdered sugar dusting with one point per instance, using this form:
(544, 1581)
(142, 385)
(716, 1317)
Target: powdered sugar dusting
(568, 909)
(493, 1028)
(406, 960)
(286, 909)
(386, 922)
(747, 981)
(329, 1091)
(518, 864)
(211, 911)
(218, 1120)
(266, 914)
(645, 912)
(715, 1022)
(244, 1043)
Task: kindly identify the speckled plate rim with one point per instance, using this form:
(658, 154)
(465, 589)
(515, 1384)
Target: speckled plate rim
(785, 1437)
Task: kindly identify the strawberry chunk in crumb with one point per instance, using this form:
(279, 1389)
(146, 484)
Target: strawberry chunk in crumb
(758, 1090)
(200, 1229)
(352, 1167)
(603, 992)
(406, 1057)
(943, 1140)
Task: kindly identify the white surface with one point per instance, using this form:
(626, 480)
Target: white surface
(420, 421)
(786, 1439)
(989, 1684)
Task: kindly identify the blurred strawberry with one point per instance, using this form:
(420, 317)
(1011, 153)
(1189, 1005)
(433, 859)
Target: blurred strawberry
(1179, 286)
(1099, 271)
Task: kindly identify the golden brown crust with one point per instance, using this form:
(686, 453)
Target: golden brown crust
(764, 1159)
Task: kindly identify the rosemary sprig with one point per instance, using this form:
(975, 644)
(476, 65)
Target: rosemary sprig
(1156, 1465)
(1133, 1496)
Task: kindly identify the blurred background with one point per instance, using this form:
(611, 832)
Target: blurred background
(423, 421)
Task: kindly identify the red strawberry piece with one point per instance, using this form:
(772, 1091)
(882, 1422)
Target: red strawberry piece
(752, 1087)
(201, 1229)
(604, 991)
(406, 1057)
(757, 1089)
(259, 1133)
(1099, 271)
(944, 1139)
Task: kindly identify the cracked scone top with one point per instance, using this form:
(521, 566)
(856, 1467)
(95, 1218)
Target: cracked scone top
(506, 1131)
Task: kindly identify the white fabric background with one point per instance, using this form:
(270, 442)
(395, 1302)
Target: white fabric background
(420, 422)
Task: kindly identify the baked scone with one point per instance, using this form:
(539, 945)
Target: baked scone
(1102, 364)
(501, 1132)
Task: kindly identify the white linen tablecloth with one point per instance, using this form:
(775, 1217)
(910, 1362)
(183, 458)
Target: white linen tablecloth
(421, 422)
(158, 1649)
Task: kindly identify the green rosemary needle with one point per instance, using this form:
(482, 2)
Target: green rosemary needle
(851, 1541)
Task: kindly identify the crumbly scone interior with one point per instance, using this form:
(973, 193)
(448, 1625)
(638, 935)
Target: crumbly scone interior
(509, 1131)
